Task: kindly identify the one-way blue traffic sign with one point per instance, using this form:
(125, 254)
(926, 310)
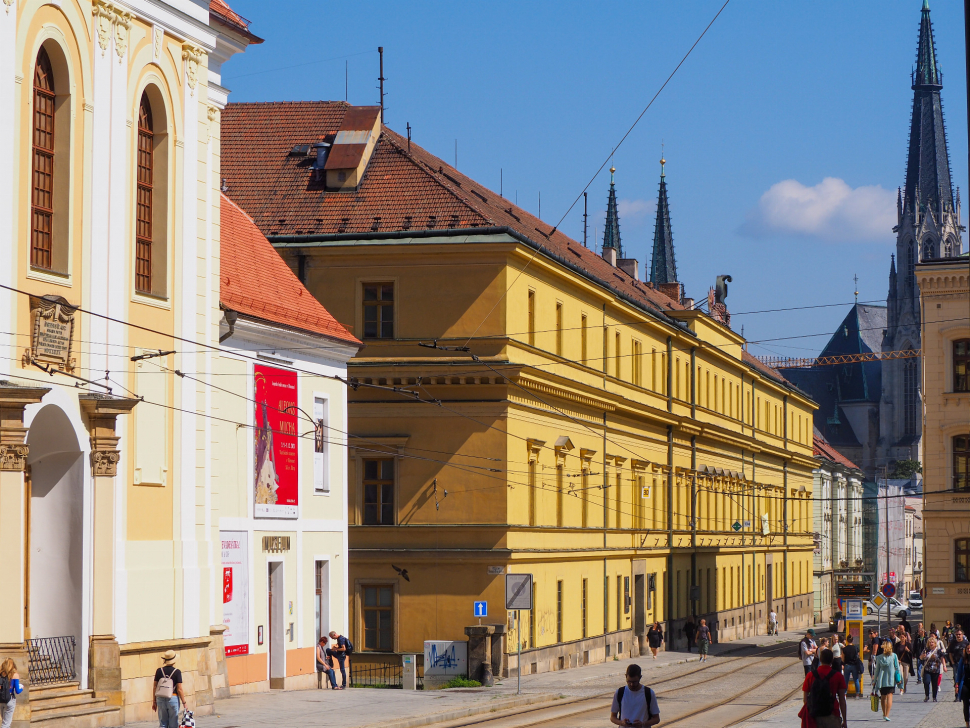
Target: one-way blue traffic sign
(481, 609)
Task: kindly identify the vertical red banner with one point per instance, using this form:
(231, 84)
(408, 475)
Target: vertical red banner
(277, 483)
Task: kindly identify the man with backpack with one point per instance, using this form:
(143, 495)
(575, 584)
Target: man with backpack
(634, 705)
(824, 696)
(342, 649)
(807, 649)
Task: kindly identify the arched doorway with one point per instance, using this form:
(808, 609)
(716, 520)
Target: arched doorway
(55, 560)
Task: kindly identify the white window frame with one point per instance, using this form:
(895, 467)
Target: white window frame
(321, 460)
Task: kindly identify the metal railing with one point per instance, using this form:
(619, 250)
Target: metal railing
(51, 660)
(383, 674)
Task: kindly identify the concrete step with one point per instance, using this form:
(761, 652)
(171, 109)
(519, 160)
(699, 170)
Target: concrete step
(97, 716)
(47, 691)
(83, 699)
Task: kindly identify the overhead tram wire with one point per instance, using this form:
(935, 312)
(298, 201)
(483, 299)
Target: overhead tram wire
(600, 169)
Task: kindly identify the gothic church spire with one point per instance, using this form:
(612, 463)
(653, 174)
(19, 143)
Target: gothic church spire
(611, 233)
(663, 265)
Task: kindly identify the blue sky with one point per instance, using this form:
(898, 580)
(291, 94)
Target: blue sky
(785, 131)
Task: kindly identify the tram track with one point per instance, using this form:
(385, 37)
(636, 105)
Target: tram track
(598, 703)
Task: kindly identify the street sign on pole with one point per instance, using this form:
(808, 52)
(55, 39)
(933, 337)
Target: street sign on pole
(853, 609)
(888, 590)
(481, 609)
(518, 591)
(878, 600)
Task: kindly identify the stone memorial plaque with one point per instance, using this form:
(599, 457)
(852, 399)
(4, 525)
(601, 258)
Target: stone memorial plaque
(51, 332)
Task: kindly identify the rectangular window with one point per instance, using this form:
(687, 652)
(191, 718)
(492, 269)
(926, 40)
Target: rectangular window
(961, 365)
(663, 373)
(606, 604)
(619, 602)
(559, 495)
(637, 363)
(653, 370)
(379, 492)
(583, 340)
(143, 204)
(378, 612)
(532, 318)
(961, 462)
(677, 378)
(378, 310)
(626, 594)
(321, 597)
(585, 608)
(585, 488)
(961, 553)
(532, 492)
(910, 397)
(151, 423)
(532, 615)
(42, 205)
(321, 479)
(606, 348)
(559, 611)
(558, 329)
(616, 356)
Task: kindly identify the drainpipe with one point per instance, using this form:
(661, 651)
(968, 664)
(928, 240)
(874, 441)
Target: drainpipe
(693, 523)
(231, 317)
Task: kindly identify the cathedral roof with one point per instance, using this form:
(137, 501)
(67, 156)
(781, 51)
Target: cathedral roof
(663, 264)
(611, 233)
(822, 448)
(928, 184)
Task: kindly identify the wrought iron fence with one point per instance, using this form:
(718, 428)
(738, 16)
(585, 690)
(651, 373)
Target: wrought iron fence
(384, 674)
(51, 660)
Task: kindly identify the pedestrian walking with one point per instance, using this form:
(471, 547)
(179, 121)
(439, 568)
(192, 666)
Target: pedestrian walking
(690, 630)
(703, 639)
(875, 643)
(807, 649)
(905, 624)
(947, 635)
(853, 665)
(342, 649)
(954, 652)
(167, 691)
(886, 677)
(963, 669)
(836, 648)
(655, 638)
(919, 644)
(634, 705)
(773, 622)
(324, 662)
(823, 696)
(934, 665)
(903, 652)
(10, 688)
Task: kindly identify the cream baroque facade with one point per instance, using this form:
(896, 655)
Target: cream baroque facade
(108, 504)
(945, 301)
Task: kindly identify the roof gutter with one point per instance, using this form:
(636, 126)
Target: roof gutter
(301, 241)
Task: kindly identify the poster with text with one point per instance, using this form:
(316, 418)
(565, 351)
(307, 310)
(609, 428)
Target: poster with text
(235, 592)
(277, 483)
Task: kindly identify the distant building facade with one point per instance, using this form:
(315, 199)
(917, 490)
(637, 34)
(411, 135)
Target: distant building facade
(944, 287)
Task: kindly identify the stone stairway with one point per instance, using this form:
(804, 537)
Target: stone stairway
(65, 705)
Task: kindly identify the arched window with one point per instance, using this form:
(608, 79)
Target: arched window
(146, 178)
(961, 462)
(948, 248)
(910, 267)
(910, 397)
(929, 250)
(42, 167)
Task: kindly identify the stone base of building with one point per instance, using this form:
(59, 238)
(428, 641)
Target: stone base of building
(565, 655)
(196, 660)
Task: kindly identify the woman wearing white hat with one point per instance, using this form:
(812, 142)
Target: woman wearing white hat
(167, 692)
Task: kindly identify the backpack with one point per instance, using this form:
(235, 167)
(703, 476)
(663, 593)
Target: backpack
(619, 701)
(348, 646)
(820, 701)
(5, 694)
(165, 687)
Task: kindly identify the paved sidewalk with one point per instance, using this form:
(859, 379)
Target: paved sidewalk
(406, 709)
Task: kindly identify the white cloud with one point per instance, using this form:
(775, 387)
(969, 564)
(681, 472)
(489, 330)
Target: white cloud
(634, 213)
(831, 210)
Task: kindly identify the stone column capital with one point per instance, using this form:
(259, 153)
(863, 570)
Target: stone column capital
(102, 412)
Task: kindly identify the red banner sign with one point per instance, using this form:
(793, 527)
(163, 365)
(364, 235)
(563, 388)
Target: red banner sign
(277, 483)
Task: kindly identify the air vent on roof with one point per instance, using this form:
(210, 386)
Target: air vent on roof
(407, 222)
(376, 225)
(352, 148)
(509, 211)
(300, 150)
(432, 222)
(342, 227)
(454, 221)
(479, 194)
(451, 178)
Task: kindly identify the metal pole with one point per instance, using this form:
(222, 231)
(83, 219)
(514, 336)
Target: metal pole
(889, 611)
(518, 632)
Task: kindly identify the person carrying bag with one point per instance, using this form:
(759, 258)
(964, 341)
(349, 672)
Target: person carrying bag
(167, 694)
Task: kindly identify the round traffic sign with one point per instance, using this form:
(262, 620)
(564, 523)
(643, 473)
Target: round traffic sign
(888, 590)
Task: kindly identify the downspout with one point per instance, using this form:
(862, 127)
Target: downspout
(693, 524)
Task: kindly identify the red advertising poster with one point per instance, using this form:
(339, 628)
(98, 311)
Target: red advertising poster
(277, 474)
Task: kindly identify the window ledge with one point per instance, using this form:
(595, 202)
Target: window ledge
(150, 299)
(50, 276)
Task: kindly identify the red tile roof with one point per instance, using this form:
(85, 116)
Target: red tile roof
(823, 448)
(254, 280)
(220, 11)
(266, 161)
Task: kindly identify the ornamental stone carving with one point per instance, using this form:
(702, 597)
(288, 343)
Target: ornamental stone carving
(13, 457)
(104, 463)
(158, 35)
(122, 30)
(8, 3)
(192, 55)
(103, 19)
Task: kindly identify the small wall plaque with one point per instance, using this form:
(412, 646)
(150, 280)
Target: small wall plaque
(51, 332)
(276, 544)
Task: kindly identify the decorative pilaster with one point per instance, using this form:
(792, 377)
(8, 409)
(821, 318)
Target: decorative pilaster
(110, 20)
(192, 55)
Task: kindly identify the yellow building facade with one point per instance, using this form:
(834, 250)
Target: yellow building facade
(944, 287)
(595, 433)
